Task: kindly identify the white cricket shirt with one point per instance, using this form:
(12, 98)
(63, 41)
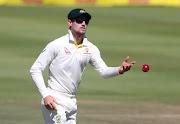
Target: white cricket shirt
(67, 62)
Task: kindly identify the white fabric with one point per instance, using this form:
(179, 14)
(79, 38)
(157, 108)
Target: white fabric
(67, 63)
(66, 110)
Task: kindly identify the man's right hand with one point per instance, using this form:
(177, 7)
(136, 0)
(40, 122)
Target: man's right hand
(49, 103)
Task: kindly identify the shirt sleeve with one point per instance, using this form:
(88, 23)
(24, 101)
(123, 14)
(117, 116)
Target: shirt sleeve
(44, 59)
(100, 66)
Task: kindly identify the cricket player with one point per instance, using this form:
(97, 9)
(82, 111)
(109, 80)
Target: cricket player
(67, 58)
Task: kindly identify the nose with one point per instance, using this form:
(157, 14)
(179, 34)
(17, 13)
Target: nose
(83, 23)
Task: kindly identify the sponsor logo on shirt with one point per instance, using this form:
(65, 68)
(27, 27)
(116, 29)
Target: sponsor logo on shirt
(67, 51)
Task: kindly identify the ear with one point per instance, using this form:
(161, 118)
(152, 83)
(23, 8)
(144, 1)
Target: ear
(69, 22)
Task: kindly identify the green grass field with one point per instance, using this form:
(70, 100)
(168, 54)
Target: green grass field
(149, 35)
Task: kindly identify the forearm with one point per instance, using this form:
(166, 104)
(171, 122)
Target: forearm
(110, 72)
(39, 82)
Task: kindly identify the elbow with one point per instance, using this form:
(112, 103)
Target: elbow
(104, 76)
(36, 68)
(33, 71)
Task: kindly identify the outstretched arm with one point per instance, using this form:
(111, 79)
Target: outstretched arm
(105, 71)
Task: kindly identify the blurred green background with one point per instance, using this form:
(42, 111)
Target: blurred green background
(149, 35)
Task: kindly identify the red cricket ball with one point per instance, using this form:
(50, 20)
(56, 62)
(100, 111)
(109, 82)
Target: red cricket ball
(145, 68)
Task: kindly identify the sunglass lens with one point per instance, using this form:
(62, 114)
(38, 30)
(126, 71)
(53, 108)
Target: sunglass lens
(87, 21)
(80, 20)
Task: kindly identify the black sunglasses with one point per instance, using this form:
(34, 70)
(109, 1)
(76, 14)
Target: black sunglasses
(80, 20)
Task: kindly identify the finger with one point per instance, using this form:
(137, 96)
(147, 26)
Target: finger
(133, 62)
(54, 100)
(124, 67)
(127, 68)
(49, 107)
(127, 58)
(54, 107)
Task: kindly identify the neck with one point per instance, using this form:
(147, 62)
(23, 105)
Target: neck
(78, 38)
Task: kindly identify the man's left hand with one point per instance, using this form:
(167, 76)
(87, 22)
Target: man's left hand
(126, 66)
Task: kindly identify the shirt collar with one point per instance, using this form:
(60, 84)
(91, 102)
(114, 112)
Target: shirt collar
(71, 38)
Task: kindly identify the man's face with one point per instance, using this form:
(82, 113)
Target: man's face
(79, 25)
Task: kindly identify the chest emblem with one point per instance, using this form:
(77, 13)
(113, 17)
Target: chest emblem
(67, 51)
(86, 51)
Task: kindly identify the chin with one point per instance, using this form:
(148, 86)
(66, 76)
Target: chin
(82, 32)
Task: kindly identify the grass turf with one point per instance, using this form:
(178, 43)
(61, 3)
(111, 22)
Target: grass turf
(149, 35)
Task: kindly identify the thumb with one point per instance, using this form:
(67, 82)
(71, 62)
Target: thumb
(54, 100)
(127, 58)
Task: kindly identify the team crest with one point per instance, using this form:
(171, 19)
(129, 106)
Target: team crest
(86, 51)
(82, 11)
(58, 118)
